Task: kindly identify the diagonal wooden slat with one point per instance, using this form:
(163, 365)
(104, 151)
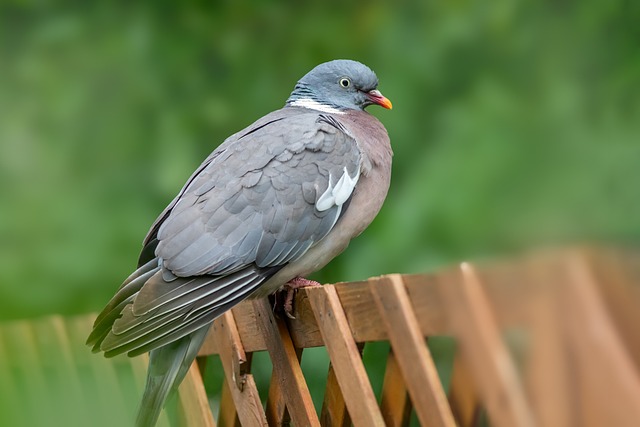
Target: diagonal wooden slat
(611, 395)
(194, 410)
(239, 358)
(276, 407)
(510, 303)
(334, 409)
(484, 352)
(412, 354)
(573, 315)
(345, 357)
(286, 366)
(463, 398)
(228, 416)
(612, 272)
(362, 316)
(241, 385)
(395, 403)
(548, 371)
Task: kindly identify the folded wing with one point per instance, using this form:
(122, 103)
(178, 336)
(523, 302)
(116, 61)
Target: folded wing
(259, 202)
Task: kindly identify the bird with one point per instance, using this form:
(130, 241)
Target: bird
(273, 203)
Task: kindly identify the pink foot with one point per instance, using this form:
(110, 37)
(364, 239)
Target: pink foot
(291, 287)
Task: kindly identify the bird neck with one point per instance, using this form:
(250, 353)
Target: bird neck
(312, 104)
(303, 97)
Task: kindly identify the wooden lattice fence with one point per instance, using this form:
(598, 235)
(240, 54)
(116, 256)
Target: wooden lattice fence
(576, 362)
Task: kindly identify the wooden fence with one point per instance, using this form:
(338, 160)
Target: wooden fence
(575, 362)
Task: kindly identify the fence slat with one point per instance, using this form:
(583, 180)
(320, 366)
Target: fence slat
(462, 394)
(194, 407)
(484, 352)
(286, 366)
(241, 385)
(412, 354)
(228, 416)
(549, 368)
(620, 294)
(334, 410)
(345, 357)
(276, 408)
(611, 395)
(395, 403)
(569, 318)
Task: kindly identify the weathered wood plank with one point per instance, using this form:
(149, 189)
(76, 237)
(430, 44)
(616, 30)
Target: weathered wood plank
(463, 398)
(363, 319)
(608, 396)
(276, 407)
(395, 404)
(484, 352)
(334, 410)
(242, 385)
(228, 416)
(250, 336)
(411, 352)
(579, 315)
(286, 366)
(548, 370)
(194, 410)
(345, 357)
(620, 291)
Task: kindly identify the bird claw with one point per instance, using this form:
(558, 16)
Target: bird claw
(291, 287)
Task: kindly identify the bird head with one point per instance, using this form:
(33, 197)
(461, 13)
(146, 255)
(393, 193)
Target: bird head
(338, 85)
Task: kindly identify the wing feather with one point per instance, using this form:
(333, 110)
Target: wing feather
(259, 202)
(202, 296)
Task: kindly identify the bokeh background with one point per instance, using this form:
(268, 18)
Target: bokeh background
(515, 125)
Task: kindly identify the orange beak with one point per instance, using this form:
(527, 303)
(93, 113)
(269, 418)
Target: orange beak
(377, 98)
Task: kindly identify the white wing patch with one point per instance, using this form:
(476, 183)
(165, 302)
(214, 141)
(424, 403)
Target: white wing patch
(336, 195)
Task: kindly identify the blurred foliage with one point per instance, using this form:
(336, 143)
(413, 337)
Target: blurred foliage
(515, 124)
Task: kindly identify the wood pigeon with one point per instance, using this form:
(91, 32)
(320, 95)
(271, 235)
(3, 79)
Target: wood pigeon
(275, 202)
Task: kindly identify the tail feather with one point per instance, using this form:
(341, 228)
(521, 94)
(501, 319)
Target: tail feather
(168, 366)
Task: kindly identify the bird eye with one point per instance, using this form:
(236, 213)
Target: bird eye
(345, 82)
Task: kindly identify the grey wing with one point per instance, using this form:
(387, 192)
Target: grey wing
(265, 200)
(253, 207)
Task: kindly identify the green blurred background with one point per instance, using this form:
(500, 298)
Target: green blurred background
(516, 124)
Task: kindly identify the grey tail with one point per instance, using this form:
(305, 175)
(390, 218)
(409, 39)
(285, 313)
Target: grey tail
(168, 366)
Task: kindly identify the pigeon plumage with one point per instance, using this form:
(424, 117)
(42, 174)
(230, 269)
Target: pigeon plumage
(274, 202)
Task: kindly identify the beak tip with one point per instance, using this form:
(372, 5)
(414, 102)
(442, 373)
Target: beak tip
(378, 98)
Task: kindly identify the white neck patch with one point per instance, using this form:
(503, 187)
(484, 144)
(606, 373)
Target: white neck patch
(315, 105)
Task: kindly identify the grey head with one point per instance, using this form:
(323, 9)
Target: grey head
(337, 86)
